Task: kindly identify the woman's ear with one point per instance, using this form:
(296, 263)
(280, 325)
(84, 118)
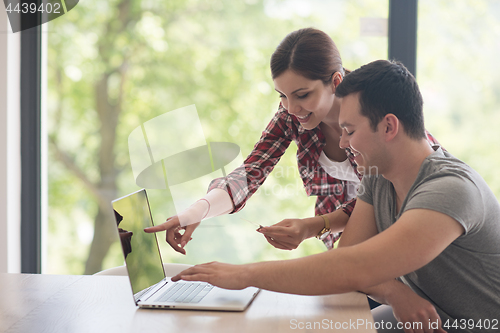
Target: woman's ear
(337, 79)
(391, 126)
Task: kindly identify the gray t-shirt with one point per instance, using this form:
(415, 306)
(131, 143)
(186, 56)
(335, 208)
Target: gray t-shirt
(463, 282)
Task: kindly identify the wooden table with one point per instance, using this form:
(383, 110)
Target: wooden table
(79, 303)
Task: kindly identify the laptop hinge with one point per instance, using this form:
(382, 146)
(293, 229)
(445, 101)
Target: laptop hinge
(148, 292)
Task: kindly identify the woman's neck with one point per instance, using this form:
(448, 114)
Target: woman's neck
(332, 132)
(332, 138)
(332, 118)
(331, 129)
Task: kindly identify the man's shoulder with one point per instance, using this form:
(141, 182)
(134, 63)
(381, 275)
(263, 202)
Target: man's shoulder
(442, 167)
(442, 174)
(449, 186)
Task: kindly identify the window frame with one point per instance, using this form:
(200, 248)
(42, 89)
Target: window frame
(31, 175)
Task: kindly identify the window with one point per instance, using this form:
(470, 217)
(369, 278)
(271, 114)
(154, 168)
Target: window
(457, 62)
(115, 65)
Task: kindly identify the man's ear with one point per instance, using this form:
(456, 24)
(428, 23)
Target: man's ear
(391, 126)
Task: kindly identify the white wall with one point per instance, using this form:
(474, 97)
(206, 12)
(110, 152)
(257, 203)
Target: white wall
(10, 159)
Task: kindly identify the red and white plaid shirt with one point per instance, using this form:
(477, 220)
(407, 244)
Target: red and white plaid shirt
(283, 128)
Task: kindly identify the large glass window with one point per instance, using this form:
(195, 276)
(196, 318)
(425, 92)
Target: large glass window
(457, 68)
(114, 65)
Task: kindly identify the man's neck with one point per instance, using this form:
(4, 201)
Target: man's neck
(406, 165)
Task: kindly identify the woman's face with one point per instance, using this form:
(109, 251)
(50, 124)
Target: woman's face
(308, 100)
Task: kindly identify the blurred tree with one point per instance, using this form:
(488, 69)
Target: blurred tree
(122, 58)
(106, 88)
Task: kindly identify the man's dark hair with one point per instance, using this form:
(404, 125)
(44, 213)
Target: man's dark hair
(387, 87)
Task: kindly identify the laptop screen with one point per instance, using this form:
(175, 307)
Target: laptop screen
(142, 255)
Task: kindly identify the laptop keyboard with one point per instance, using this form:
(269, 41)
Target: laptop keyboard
(186, 292)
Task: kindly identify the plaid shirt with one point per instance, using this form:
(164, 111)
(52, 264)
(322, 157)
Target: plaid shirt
(283, 128)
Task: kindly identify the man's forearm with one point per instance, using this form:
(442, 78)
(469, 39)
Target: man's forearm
(384, 292)
(319, 274)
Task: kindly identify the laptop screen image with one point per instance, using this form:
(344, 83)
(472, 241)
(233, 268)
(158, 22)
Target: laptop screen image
(140, 249)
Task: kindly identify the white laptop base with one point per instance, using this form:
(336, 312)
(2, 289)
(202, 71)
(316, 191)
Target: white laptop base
(196, 296)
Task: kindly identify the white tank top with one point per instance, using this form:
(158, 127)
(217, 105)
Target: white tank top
(342, 171)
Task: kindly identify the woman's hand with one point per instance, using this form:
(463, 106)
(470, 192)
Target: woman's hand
(174, 237)
(218, 274)
(289, 233)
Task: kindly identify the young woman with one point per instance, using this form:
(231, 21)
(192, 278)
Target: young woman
(306, 68)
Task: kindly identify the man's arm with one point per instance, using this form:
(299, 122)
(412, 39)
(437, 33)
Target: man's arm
(361, 225)
(413, 241)
(406, 304)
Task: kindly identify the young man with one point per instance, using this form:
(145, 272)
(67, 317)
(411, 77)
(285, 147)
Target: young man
(424, 236)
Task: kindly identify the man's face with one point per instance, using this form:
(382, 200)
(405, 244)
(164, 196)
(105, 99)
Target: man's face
(357, 134)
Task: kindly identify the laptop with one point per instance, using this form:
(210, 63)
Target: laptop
(151, 288)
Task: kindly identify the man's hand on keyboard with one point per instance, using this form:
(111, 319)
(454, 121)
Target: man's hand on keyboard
(218, 274)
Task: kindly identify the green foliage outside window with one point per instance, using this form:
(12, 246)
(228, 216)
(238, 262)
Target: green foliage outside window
(112, 65)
